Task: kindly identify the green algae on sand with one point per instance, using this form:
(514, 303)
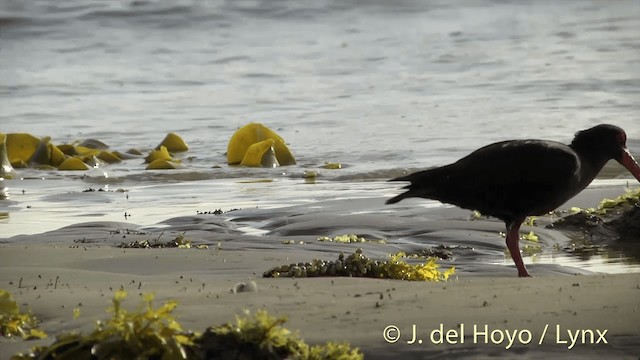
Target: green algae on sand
(359, 265)
(14, 323)
(154, 333)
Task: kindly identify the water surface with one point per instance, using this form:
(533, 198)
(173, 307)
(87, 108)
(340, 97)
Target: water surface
(379, 86)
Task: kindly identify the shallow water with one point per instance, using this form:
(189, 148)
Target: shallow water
(379, 86)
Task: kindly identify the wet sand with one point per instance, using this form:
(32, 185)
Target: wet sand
(80, 267)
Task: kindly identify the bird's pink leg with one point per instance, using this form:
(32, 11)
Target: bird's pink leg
(513, 237)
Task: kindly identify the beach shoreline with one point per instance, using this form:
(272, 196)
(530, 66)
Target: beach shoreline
(82, 265)
(52, 280)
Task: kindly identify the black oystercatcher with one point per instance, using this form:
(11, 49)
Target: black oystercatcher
(514, 179)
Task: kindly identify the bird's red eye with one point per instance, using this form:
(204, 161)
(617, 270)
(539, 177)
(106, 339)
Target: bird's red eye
(621, 137)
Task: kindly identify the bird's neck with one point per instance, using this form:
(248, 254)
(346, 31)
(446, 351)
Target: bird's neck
(591, 163)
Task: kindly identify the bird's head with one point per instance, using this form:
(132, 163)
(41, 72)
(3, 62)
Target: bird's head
(604, 142)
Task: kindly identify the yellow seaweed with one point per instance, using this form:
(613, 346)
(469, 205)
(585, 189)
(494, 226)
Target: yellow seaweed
(86, 151)
(332, 166)
(428, 271)
(161, 164)
(6, 170)
(15, 323)
(57, 157)
(23, 150)
(350, 238)
(160, 154)
(73, 164)
(261, 335)
(154, 333)
(93, 161)
(109, 157)
(19, 164)
(67, 149)
(531, 236)
(309, 175)
(630, 197)
(359, 265)
(531, 250)
(47, 154)
(42, 155)
(260, 154)
(20, 148)
(173, 142)
(253, 133)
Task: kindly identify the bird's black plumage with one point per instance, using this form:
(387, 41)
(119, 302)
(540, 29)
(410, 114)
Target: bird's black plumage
(485, 181)
(514, 179)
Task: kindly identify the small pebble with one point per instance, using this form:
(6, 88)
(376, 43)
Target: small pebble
(249, 286)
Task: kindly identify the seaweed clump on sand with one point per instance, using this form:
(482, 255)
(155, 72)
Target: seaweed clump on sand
(153, 333)
(617, 218)
(440, 252)
(16, 323)
(350, 238)
(145, 334)
(262, 337)
(179, 241)
(359, 265)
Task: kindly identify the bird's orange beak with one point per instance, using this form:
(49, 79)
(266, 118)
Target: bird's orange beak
(630, 163)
